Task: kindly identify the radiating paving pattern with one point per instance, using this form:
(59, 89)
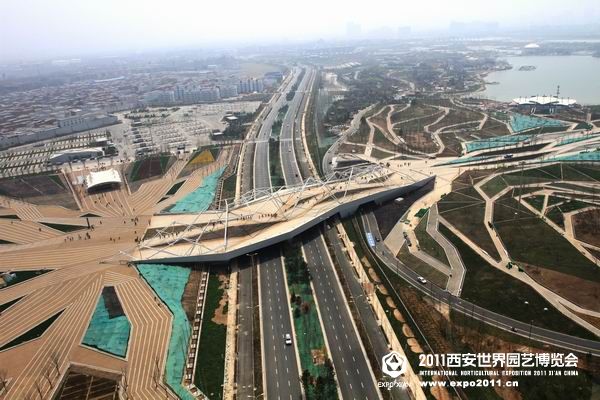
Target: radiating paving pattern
(127, 333)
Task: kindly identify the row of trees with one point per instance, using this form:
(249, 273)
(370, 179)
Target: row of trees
(323, 387)
(296, 266)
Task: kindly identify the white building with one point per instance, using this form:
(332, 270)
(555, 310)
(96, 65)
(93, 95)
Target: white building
(75, 155)
(102, 179)
(250, 85)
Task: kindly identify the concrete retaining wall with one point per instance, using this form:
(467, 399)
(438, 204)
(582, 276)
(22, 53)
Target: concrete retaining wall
(410, 376)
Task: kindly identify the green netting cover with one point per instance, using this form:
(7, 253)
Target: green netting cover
(107, 334)
(199, 200)
(168, 281)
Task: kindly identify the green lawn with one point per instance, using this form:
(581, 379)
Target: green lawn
(275, 165)
(422, 268)
(497, 291)
(304, 309)
(379, 154)
(535, 175)
(229, 187)
(414, 111)
(552, 200)
(556, 216)
(465, 210)
(579, 188)
(550, 173)
(536, 202)
(210, 367)
(530, 240)
(494, 186)
(379, 139)
(307, 326)
(427, 243)
(575, 172)
(573, 205)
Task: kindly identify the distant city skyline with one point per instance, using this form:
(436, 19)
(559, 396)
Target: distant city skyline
(63, 28)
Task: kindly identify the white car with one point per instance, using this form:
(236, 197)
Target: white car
(422, 280)
(288, 339)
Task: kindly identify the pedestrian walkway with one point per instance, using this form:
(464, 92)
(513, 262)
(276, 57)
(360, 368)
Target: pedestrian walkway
(168, 281)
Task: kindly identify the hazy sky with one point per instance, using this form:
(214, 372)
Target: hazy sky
(54, 28)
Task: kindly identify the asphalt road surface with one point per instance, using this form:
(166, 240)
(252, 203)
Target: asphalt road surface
(280, 367)
(350, 362)
(245, 337)
(262, 176)
(522, 328)
(290, 136)
(373, 330)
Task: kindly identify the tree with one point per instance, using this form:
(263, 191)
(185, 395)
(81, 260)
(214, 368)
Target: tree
(306, 378)
(305, 307)
(320, 388)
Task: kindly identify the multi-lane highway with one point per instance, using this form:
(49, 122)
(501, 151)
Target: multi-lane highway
(280, 366)
(355, 378)
(352, 368)
(372, 329)
(281, 377)
(290, 136)
(245, 335)
(262, 176)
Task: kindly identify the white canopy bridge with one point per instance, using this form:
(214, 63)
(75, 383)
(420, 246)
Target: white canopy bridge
(264, 217)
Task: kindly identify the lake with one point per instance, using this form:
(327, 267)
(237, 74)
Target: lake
(578, 77)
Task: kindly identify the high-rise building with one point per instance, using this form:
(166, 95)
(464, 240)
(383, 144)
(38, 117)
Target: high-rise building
(250, 85)
(227, 91)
